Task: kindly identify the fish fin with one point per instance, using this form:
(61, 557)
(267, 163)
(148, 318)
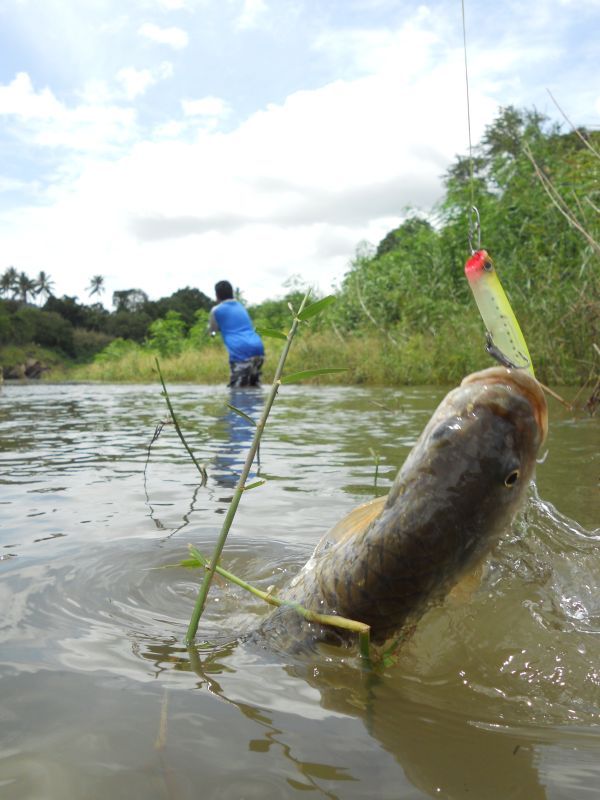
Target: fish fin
(354, 523)
(466, 587)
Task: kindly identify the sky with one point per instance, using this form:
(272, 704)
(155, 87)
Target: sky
(172, 143)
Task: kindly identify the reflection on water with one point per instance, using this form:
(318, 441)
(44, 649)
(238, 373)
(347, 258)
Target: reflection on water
(235, 432)
(496, 696)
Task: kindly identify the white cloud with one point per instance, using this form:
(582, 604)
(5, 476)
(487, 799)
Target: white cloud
(172, 5)
(292, 189)
(407, 50)
(209, 108)
(40, 118)
(252, 11)
(20, 99)
(176, 38)
(280, 194)
(14, 184)
(136, 81)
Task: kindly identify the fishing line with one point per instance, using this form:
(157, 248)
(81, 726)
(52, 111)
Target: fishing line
(474, 221)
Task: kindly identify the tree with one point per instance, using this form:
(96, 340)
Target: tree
(128, 325)
(69, 309)
(96, 285)
(44, 284)
(26, 287)
(405, 237)
(185, 301)
(129, 300)
(8, 281)
(167, 335)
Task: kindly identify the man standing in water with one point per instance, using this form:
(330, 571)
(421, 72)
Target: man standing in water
(245, 347)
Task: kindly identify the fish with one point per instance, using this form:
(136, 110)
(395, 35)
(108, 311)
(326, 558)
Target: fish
(388, 561)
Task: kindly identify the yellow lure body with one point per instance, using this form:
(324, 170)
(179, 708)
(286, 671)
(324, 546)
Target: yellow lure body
(496, 312)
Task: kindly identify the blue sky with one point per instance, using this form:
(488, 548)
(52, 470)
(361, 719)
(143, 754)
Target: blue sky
(165, 143)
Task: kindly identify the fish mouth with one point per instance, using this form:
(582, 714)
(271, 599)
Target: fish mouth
(520, 382)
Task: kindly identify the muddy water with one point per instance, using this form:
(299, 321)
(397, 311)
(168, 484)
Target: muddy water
(496, 696)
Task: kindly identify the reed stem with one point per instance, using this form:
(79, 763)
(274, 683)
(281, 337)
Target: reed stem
(361, 628)
(199, 467)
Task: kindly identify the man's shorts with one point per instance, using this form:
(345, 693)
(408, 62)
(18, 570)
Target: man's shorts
(245, 373)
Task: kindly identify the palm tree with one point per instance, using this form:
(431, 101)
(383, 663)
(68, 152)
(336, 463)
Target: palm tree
(96, 285)
(8, 281)
(25, 286)
(44, 284)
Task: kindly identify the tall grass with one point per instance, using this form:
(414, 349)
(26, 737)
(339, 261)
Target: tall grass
(370, 358)
(208, 365)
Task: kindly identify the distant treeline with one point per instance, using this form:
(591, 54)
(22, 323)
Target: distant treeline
(79, 331)
(537, 191)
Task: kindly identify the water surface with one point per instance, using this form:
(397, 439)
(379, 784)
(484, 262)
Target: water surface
(496, 696)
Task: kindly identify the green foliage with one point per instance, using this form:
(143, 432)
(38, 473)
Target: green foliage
(128, 325)
(13, 355)
(116, 350)
(167, 335)
(92, 317)
(275, 314)
(198, 335)
(271, 333)
(23, 326)
(6, 329)
(187, 302)
(315, 309)
(51, 330)
(129, 300)
(413, 285)
(86, 343)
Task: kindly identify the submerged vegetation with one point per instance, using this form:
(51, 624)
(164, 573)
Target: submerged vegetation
(404, 313)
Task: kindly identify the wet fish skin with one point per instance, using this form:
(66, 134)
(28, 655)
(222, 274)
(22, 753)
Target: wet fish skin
(459, 488)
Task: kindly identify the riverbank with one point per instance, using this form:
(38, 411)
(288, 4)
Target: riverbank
(396, 359)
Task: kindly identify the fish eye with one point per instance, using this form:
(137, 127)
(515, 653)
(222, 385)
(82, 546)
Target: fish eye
(511, 478)
(488, 266)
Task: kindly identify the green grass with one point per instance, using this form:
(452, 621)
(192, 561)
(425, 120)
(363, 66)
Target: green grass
(370, 357)
(368, 360)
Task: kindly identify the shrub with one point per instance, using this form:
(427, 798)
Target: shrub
(167, 335)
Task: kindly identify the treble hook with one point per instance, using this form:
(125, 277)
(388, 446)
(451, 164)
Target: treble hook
(474, 228)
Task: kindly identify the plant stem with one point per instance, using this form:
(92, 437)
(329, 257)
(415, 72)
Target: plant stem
(199, 467)
(201, 599)
(361, 628)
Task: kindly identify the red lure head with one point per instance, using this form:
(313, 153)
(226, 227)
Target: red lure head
(479, 262)
(476, 265)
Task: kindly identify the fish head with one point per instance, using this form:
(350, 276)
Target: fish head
(477, 455)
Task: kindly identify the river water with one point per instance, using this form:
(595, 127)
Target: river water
(496, 696)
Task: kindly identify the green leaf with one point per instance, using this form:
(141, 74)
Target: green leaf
(197, 555)
(253, 485)
(310, 373)
(241, 413)
(272, 332)
(302, 787)
(190, 563)
(316, 308)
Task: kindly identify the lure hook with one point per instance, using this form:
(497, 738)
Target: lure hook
(474, 229)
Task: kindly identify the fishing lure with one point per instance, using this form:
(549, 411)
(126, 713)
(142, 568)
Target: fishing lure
(505, 341)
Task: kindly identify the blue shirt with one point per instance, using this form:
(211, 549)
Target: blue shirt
(241, 340)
